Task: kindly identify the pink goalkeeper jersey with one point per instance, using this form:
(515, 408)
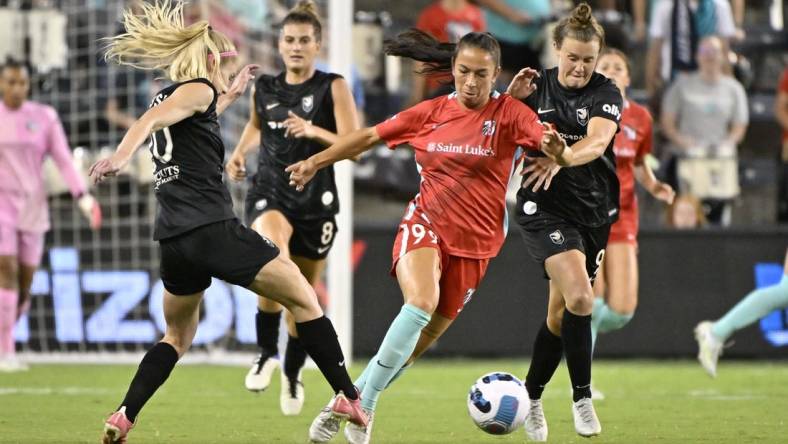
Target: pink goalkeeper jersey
(28, 134)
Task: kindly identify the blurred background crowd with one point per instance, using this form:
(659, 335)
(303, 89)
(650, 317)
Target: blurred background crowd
(713, 73)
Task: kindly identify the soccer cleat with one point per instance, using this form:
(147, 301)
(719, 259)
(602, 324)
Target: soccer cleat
(535, 422)
(349, 409)
(259, 376)
(291, 398)
(325, 426)
(116, 427)
(709, 347)
(12, 364)
(356, 434)
(586, 422)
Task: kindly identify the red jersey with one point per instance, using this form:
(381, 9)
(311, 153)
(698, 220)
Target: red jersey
(783, 88)
(465, 158)
(448, 27)
(631, 145)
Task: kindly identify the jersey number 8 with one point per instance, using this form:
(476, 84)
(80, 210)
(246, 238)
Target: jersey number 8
(154, 145)
(328, 233)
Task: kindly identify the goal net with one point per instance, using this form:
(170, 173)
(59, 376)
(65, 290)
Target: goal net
(98, 292)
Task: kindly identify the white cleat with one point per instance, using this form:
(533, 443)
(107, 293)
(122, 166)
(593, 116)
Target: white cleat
(12, 364)
(291, 398)
(535, 422)
(709, 347)
(326, 425)
(356, 434)
(586, 422)
(259, 376)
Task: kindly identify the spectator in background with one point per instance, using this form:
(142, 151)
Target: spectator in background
(615, 15)
(29, 131)
(705, 115)
(781, 112)
(447, 21)
(676, 28)
(517, 25)
(685, 213)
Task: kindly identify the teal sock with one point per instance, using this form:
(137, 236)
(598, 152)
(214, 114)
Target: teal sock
(361, 382)
(596, 318)
(398, 374)
(613, 320)
(397, 346)
(754, 306)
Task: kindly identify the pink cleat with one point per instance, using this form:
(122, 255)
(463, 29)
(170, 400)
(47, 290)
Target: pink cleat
(350, 409)
(116, 427)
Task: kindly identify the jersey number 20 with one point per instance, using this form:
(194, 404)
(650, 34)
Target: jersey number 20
(154, 145)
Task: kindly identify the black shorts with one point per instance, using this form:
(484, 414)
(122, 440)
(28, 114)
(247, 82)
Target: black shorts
(312, 238)
(546, 235)
(226, 250)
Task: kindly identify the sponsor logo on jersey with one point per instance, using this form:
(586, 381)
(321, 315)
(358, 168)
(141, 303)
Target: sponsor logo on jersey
(271, 106)
(613, 110)
(322, 250)
(468, 149)
(307, 103)
(582, 116)
(31, 126)
(529, 207)
(166, 175)
(574, 137)
(488, 128)
(629, 131)
(544, 111)
(261, 204)
(557, 237)
(327, 198)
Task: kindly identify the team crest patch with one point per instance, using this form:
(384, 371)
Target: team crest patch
(582, 116)
(557, 237)
(488, 128)
(307, 103)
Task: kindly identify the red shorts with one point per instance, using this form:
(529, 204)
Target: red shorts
(625, 230)
(460, 276)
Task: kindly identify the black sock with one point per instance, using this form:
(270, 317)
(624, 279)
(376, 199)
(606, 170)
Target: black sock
(153, 370)
(319, 339)
(267, 326)
(295, 356)
(547, 355)
(576, 336)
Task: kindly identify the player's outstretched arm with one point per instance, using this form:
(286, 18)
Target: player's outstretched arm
(659, 190)
(237, 89)
(250, 139)
(187, 100)
(600, 133)
(346, 147)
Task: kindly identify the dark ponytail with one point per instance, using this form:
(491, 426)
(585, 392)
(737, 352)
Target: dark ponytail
(580, 25)
(438, 57)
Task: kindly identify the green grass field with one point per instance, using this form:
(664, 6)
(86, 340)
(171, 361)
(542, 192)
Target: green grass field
(667, 402)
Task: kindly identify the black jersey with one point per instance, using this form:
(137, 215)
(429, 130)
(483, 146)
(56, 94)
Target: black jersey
(188, 177)
(312, 101)
(587, 194)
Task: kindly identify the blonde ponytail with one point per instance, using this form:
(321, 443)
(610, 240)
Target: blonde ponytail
(158, 40)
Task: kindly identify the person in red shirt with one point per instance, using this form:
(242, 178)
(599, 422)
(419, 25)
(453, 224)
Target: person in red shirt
(781, 112)
(447, 21)
(467, 144)
(617, 287)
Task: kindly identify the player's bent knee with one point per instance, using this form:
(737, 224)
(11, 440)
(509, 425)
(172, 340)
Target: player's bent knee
(425, 303)
(580, 303)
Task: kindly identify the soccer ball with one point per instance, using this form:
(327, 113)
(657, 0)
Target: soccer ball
(498, 403)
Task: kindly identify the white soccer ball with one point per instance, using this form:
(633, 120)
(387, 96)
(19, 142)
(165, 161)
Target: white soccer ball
(498, 403)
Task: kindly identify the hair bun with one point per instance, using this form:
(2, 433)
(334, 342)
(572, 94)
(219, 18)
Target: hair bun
(306, 6)
(582, 15)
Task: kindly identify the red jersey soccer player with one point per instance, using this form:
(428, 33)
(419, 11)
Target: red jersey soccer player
(631, 145)
(466, 147)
